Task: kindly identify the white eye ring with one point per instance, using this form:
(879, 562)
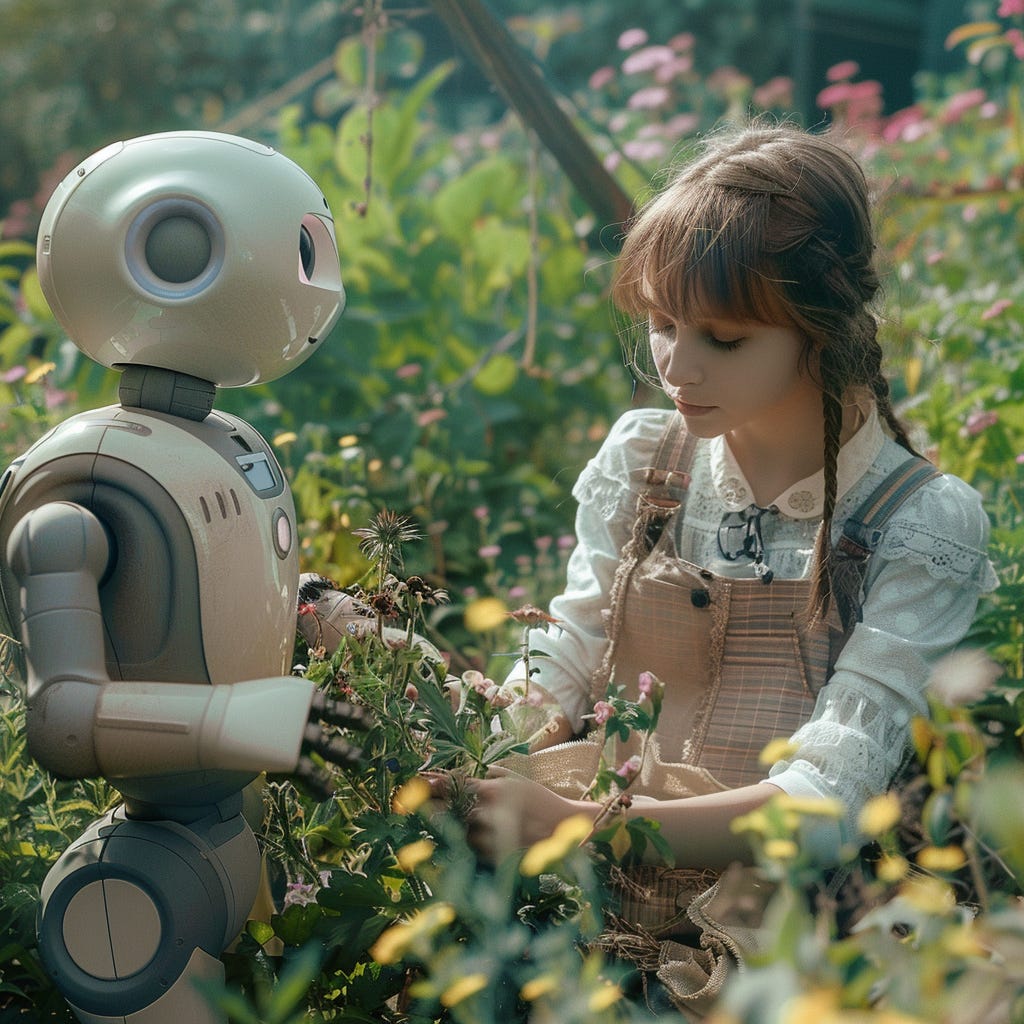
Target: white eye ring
(139, 259)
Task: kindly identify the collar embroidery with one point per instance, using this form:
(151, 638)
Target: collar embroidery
(806, 498)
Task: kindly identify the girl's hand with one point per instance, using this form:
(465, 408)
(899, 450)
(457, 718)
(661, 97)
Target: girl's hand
(511, 812)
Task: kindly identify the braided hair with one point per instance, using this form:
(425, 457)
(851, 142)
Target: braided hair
(771, 224)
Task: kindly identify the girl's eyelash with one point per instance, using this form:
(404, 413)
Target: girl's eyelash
(725, 346)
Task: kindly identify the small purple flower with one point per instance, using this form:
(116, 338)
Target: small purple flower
(300, 894)
(628, 769)
(603, 711)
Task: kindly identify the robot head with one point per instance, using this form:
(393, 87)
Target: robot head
(197, 252)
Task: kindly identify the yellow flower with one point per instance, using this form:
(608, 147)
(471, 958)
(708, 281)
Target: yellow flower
(39, 372)
(781, 849)
(537, 987)
(880, 814)
(410, 796)
(961, 940)
(485, 614)
(287, 437)
(892, 867)
(812, 806)
(392, 944)
(941, 858)
(777, 750)
(928, 894)
(754, 821)
(463, 989)
(812, 1007)
(568, 835)
(348, 441)
(411, 856)
(607, 995)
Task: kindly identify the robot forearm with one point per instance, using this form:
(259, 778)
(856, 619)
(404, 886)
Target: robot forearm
(78, 729)
(148, 728)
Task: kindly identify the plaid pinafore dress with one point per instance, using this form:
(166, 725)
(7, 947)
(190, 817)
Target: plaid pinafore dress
(742, 667)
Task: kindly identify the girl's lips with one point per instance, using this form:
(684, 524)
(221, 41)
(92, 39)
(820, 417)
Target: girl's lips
(693, 410)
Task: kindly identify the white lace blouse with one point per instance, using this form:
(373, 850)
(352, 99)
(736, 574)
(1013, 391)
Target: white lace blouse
(922, 589)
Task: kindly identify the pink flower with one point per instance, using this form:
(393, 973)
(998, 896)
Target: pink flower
(13, 374)
(1020, 459)
(430, 416)
(601, 77)
(844, 69)
(903, 124)
(996, 308)
(673, 69)
(645, 683)
(644, 149)
(632, 38)
(1015, 38)
(408, 370)
(683, 42)
(978, 422)
(490, 551)
(647, 59)
(602, 712)
(648, 99)
(959, 104)
(1008, 8)
(628, 769)
(776, 92)
(934, 257)
(566, 542)
(833, 94)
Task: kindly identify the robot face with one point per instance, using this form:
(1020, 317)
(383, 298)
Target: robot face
(197, 252)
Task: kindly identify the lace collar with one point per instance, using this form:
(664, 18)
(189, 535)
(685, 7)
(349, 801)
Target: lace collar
(806, 498)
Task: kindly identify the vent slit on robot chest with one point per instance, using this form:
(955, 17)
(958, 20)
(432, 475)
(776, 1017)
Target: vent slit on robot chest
(221, 505)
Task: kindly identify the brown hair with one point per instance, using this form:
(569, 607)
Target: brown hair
(771, 224)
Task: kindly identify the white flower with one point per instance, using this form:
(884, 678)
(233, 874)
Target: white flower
(962, 677)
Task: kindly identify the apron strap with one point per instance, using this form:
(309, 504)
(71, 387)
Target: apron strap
(670, 469)
(863, 530)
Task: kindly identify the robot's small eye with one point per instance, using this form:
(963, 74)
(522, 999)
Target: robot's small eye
(307, 252)
(178, 249)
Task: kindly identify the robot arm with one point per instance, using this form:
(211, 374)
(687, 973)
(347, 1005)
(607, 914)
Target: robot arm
(80, 723)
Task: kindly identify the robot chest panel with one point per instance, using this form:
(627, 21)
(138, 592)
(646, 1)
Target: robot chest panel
(241, 519)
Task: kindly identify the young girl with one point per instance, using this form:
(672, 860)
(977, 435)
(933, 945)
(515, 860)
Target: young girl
(769, 546)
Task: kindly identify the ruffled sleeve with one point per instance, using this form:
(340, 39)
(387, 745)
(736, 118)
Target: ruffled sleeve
(922, 590)
(570, 652)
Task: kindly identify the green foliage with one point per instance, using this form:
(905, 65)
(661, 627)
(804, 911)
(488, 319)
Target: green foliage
(473, 373)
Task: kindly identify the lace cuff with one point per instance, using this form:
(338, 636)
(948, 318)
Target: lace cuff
(945, 559)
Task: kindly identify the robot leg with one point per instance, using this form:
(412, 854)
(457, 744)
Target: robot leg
(136, 911)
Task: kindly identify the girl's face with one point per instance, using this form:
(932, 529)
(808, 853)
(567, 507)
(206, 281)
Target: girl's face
(727, 376)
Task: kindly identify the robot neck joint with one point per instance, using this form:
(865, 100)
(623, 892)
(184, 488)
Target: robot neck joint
(167, 391)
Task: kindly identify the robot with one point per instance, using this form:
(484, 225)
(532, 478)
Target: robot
(150, 557)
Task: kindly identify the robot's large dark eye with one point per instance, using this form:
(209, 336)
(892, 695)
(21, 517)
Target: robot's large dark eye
(307, 252)
(178, 249)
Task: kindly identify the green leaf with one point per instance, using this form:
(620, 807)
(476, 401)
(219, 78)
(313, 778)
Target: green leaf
(498, 375)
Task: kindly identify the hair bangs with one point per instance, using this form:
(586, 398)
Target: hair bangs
(702, 259)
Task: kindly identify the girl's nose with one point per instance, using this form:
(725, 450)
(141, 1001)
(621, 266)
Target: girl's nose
(684, 367)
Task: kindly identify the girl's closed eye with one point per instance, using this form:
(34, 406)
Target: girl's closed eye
(722, 344)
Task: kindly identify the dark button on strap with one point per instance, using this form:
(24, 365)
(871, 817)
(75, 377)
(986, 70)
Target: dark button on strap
(700, 598)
